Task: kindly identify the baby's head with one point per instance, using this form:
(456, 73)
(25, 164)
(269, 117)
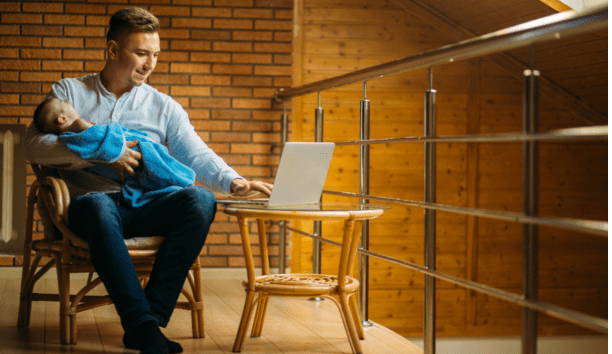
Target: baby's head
(54, 116)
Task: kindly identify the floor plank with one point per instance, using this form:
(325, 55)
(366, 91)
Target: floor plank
(295, 326)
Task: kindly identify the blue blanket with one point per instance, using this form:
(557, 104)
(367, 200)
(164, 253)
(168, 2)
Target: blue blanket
(158, 175)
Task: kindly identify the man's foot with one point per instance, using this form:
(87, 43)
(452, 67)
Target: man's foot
(148, 338)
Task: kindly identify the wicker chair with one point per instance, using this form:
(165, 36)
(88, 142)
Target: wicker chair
(70, 254)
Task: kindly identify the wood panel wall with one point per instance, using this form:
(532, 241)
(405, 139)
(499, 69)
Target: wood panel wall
(333, 37)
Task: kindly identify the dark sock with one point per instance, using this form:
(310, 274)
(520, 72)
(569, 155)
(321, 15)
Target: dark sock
(149, 339)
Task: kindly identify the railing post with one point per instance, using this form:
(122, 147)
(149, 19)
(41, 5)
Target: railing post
(283, 223)
(529, 325)
(316, 244)
(429, 327)
(364, 189)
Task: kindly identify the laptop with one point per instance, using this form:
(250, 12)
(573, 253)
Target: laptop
(300, 177)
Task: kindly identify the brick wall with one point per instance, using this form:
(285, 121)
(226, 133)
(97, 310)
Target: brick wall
(221, 60)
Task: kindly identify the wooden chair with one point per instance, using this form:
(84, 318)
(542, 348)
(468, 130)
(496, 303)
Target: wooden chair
(339, 288)
(70, 254)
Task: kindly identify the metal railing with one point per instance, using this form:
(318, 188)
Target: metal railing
(544, 29)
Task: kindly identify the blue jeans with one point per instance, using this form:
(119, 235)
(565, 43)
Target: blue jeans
(183, 217)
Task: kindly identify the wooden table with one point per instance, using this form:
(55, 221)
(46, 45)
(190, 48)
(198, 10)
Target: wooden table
(341, 285)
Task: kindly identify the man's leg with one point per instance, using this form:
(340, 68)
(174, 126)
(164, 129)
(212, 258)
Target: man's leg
(97, 218)
(184, 218)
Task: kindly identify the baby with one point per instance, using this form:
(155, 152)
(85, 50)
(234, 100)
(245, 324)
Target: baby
(160, 173)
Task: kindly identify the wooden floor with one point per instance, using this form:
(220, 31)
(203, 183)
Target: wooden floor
(292, 325)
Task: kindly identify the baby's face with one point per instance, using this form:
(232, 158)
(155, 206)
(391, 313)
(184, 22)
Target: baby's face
(66, 109)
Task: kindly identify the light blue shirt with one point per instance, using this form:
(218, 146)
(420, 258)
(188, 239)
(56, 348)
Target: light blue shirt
(143, 108)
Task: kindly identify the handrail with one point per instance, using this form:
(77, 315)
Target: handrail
(546, 28)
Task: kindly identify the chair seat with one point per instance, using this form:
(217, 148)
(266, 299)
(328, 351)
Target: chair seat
(302, 284)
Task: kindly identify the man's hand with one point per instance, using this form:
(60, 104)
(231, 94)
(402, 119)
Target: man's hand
(240, 187)
(128, 162)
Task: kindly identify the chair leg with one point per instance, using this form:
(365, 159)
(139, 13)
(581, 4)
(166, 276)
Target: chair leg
(244, 321)
(350, 323)
(63, 283)
(25, 301)
(199, 298)
(260, 315)
(356, 318)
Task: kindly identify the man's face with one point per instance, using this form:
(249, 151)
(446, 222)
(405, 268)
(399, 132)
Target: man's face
(137, 56)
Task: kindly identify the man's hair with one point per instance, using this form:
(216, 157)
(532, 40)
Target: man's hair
(42, 116)
(130, 20)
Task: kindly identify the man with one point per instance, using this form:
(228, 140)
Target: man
(119, 94)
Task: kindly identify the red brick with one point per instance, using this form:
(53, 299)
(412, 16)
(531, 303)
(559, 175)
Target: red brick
(277, 25)
(230, 137)
(232, 47)
(230, 114)
(9, 52)
(234, 160)
(232, 69)
(211, 35)
(62, 65)
(87, 9)
(212, 12)
(266, 160)
(283, 82)
(232, 24)
(41, 30)
(191, 91)
(9, 99)
(191, 22)
(273, 47)
(253, 13)
(14, 111)
(34, 100)
(251, 126)
(252, 103)
(234, 3)
(262, 36)
(34, 53)
(283, 36)
(20, 18)
(64, 19)
(219, 148)
(19, 65)
(170, 10)
(251, 148)
(40, 76)
(11, 6)
(190, 68)
(198, 113)
(274, 3)
(252, 58)
(169, 79)
(87, 54)
(6, 29)
(231, 92)
(286, 59)
(6, 76)
(264, 92)
(60, 42)
(174, 33)
(211, 102)
(283, 14)
(22, 41)
(251, 81)
(193, 2)
(93, 66)
(97, 20)
(250, 171)
(190, 45)
(210, 80)
(275, 70)
(172, 56)
(213, 261)
(266, 138)
(99, 43)
(84, 31)
(210, 57)
(7, 261)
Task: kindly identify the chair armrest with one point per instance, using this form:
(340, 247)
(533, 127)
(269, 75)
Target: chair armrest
(56, 198)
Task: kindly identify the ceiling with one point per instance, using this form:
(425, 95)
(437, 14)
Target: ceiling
(574, 68)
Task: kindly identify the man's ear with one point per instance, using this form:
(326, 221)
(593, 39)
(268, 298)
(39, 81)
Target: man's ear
(111, 49)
